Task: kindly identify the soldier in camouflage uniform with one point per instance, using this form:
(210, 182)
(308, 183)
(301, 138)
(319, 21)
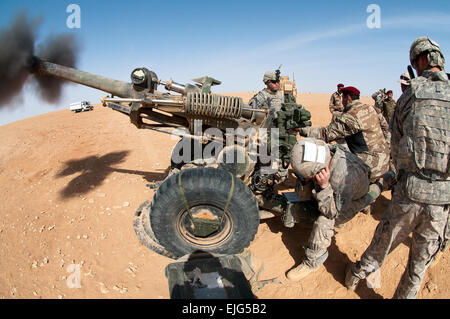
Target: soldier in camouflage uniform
(378, 97)
(388, 106)
(405, 80)
(270, 97)
(389, 177)
(421, 198)
(362, 128)
(336, 107)
(384, 103)
(341, 182)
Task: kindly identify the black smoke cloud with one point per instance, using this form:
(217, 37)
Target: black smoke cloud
(59, 49)
(17, 47)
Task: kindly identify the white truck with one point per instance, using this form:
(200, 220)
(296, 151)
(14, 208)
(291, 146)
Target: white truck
(81, 106)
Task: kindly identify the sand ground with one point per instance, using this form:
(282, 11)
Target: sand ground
(71, 183)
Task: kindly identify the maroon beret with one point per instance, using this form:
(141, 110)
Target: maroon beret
(350, 90)
(390, 91)
(340, 85)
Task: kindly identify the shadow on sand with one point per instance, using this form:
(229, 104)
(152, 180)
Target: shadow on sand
(297, 237)
(379, 207)
(95, 169)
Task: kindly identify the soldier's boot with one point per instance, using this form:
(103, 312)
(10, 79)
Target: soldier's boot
(300, 272)
(389, 179)
(440, 252)
(351, 281)
(375, 189)
(366, 210)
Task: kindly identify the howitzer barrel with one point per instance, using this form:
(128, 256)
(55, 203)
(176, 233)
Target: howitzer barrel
(115, 87)
(193, 101)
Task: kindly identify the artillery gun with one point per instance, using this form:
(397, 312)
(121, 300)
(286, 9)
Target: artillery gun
(223, 170)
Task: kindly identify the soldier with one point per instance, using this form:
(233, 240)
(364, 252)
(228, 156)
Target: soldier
(378, 97)
(404, 81)
(341, 182)
(420, 150)
(361, 127)
(336, 107)
(384, 103)
(389, 177)
(270, 97)
(388, 106)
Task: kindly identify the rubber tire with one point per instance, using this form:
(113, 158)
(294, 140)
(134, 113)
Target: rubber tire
(204, 186)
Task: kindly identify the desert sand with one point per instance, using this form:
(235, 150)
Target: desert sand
(71, 183)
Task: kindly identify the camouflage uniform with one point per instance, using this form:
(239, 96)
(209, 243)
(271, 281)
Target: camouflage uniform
(383, 106)
(336, 107)
(363, 131)
(265, 99)
(378, 100)
(338, 203)
(420, 202)
(388, 109)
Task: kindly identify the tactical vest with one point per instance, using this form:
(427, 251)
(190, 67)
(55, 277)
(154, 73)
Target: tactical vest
(267, 100)
(429, 142)
(345, 165)
(431, 126)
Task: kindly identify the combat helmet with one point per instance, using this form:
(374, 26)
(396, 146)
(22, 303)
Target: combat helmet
(273, 75)
(426, 45)
(309, 156)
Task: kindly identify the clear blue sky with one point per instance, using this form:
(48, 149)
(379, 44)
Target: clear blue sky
(322, 42)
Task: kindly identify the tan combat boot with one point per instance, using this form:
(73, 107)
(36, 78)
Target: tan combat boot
(299, 272)
(351, 281)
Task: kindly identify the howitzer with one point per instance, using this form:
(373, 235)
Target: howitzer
(141, 100)
(211, 202)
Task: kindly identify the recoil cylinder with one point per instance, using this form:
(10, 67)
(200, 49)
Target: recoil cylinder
(213, 105)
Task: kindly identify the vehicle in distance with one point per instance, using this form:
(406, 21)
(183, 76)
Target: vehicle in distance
(81, 106)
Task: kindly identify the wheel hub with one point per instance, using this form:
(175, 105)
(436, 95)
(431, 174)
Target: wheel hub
(205, 222)
(205, 226)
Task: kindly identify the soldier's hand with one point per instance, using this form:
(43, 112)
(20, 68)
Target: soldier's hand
(323, 178)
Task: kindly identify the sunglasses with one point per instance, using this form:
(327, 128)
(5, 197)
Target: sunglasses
(273, 81)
